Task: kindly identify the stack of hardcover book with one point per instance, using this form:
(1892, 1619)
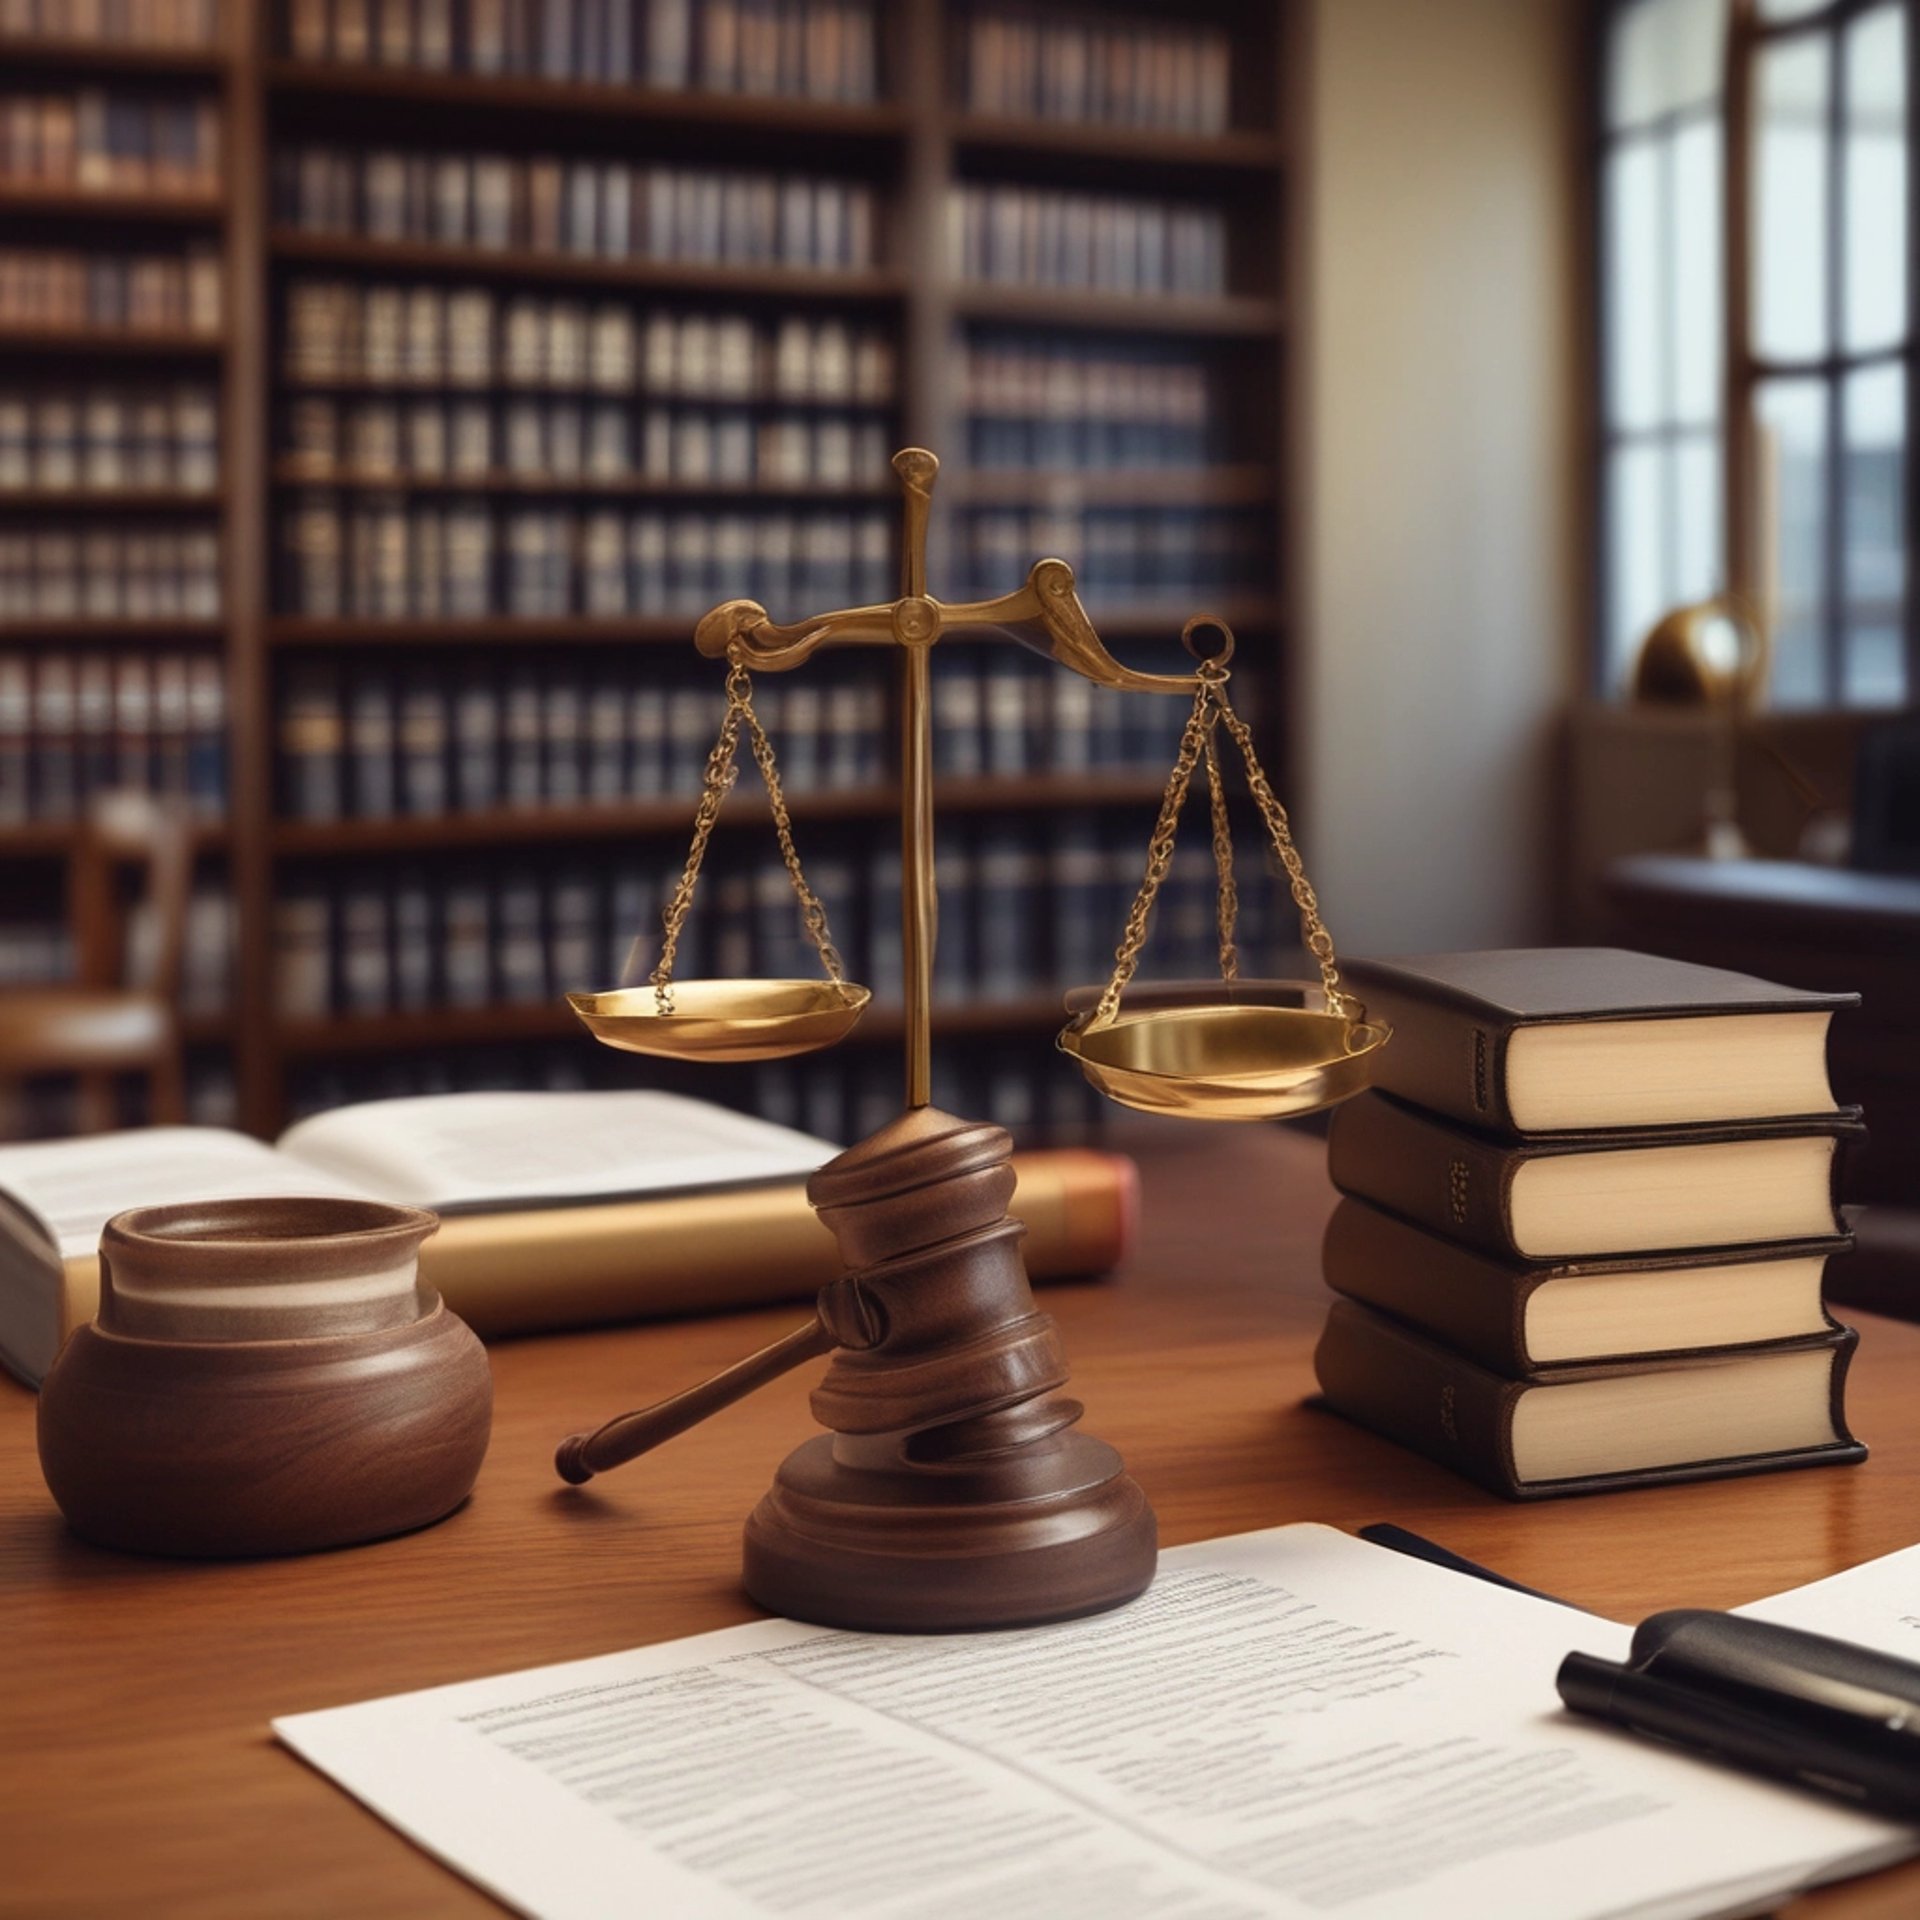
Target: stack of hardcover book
(1588, 1211)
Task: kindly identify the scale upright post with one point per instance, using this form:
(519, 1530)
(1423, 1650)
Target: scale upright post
(919, 905)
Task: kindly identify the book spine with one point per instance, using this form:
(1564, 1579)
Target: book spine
(1448, 1057)
(1419, 1395)
(1449, 1182)
(1476, 1306)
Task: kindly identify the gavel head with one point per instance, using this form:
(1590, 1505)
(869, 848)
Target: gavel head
(924, 1187)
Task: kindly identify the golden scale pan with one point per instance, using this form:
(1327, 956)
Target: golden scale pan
(1226, 1050)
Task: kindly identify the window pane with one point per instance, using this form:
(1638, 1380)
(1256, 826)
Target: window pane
(1636, 595)
(1793, 455)
(1876, 180)
(1873, 557)
(1664, 54)
(1791, 9)
(1694, 275)
(1790, 200)
(1695, 484)
(1635, 298)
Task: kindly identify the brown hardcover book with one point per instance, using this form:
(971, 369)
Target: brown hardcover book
(1544, 1040)
(1591, 1429)
(1516, 1316)
(1584, 1195)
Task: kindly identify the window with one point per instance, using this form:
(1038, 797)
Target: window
(1805, 378)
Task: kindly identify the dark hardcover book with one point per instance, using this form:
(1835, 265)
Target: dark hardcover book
(1516, 1316)
(1590, 1194)
(1597, 1428)
(1549, 1039)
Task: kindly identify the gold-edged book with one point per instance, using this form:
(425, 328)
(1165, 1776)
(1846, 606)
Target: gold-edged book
(558, 1210)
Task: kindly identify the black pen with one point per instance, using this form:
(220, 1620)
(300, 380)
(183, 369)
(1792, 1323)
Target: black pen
(1797, 1706)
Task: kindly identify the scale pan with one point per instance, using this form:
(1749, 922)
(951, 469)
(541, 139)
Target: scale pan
(1227, 1061)
(724, 1019)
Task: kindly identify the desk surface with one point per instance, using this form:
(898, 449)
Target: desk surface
(138, 1773)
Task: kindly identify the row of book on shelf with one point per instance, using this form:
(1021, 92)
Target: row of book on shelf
(1025, 905)
(346, 332)
(1121, 555)
(807, 49)
(114, 23)
(1034, 399)
(73, 727)
(539, 440)
(1589, 1207)
(145, 292)
(1048, 63)
(100, 138)
(370, 745)
(103, 437)
(381, 558)
(115, 572)
(1004, 234)
(374, 744)
(590, 209)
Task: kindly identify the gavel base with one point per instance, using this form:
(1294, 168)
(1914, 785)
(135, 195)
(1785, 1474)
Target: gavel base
(929, 1549)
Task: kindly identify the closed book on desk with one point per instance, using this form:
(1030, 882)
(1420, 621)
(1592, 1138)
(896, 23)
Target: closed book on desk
(1589, 1429)
(1588, 1194)
(1555, 1039)
(558, 1209)
(1515, 1315)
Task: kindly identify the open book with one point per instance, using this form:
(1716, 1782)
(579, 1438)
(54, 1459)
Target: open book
(562, 1209)
(456, 1153)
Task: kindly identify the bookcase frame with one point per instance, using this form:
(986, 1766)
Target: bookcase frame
(913, 143)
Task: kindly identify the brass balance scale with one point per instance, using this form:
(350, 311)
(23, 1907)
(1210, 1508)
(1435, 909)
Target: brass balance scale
(953, 1490)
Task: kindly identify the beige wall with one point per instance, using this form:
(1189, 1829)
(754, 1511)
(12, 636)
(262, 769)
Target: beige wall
(1442, 487)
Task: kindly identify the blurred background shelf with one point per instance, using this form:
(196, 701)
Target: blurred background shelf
(1141, 434)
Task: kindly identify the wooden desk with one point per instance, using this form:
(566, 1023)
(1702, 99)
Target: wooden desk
(138, 1774)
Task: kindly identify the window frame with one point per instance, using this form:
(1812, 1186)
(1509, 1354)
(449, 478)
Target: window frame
(1744, 371)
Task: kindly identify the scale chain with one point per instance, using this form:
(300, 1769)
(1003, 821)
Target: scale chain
(722, 772)
(1198, 730)
(1319, 942)
(813, 915)
(1199, 741)
(720, 776)
(1227, 905)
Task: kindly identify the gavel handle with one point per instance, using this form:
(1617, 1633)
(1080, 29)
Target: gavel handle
(582, 1455)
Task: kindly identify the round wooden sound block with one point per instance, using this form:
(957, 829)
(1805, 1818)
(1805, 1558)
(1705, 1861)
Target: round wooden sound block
(1059, 1531)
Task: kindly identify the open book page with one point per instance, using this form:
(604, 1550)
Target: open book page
(1291, 1722)
(73, 1187)
(1876, 1605)
(484, 1150)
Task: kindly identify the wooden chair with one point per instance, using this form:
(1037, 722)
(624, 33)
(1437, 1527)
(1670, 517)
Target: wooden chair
(105, 1023)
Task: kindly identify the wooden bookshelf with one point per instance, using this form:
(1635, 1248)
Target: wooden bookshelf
(494, 99)
(26, 53)
(119, 632)
(914, 144)
(124, 206)
(518, 826)
(65, 502)
(113, 343)
(526, 266)
(631, 486)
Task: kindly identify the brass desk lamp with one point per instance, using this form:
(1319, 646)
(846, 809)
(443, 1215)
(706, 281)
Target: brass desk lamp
(953, 1490)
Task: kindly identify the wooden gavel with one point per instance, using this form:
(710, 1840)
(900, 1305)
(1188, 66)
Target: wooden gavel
(845, 1315)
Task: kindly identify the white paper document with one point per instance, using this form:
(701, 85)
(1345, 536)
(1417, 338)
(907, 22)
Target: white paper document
(1291, 1722)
